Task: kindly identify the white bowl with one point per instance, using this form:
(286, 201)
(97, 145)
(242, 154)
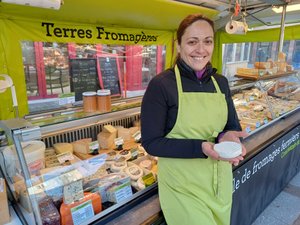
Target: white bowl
(228, 149)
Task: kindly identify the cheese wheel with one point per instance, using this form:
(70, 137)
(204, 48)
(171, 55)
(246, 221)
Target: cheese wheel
(147, 164)
(141, 184)
(119, 165)
(134, 172)
(126, 154)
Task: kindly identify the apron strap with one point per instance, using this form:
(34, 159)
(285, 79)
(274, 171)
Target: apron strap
(179, 85)
(178, 79)
(216, 85)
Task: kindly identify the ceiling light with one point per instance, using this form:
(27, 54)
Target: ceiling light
(289, 8)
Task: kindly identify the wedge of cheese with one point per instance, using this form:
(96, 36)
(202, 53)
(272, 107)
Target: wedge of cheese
(109, 129)
(82, 146)
(63, 147)
(124, 133)
(106, 140)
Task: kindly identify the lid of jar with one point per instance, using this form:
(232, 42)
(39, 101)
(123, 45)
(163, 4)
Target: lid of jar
(103, 92)
(89, 93)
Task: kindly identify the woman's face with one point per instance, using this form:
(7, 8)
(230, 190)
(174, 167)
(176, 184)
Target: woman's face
(197, 45)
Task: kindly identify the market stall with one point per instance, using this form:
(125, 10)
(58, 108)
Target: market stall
(64, 157)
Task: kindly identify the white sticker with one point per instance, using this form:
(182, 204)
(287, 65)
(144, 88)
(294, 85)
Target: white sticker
(64, 99)
(93, 145)
(119, 141)
(66, 156)
(82, 212)
(137, 135)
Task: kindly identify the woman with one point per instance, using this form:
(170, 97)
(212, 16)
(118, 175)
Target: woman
(184, 111)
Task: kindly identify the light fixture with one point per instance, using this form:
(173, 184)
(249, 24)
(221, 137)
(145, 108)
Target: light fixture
(8, 83)
(289, 8)
(48, 4)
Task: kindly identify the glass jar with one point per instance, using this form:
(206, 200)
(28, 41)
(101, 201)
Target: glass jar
(103, 100)
(89, 101)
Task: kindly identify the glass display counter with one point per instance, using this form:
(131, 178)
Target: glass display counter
(84, 170)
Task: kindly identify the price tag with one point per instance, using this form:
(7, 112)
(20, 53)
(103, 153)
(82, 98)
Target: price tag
(82, 212)
(248, 129)
(266, 121)
(251, 98)
(137, 136)
(257, 124)
(149, 179)
(73, 192)
(119, 141)
(134, 153)
(94, 145)
(64, 99)
(120, 193)
(66, 156)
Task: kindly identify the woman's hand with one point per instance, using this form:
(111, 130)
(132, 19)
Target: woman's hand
(208, 147)
(235, 137)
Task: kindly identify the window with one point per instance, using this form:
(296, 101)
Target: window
(55, 70)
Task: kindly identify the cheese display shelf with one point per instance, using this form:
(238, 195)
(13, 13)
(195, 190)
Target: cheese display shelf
(261, 102)
(77, 171)
(93, 169)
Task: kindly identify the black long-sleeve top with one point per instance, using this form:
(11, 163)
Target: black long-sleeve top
(160, 107)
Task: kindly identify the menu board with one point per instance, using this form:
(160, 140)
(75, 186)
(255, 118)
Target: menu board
(110, 74)
(84, 76)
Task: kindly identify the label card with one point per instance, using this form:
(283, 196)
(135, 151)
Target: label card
(137, 136)
(94, 145)
(119, 141)
(82, 212)
(149, 179)
(66, 156)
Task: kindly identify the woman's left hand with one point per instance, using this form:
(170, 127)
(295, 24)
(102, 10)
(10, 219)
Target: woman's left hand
(235, 137)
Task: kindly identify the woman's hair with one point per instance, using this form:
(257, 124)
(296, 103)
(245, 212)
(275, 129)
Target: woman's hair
(188, 21)
(185, 23)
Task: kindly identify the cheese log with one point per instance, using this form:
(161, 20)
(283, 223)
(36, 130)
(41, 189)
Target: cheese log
(106, 140)
(124, 133)
(63, 147)
(82, 146)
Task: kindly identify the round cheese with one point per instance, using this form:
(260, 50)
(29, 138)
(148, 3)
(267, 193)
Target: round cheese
(147, 164)
(228, 149)
(134, 172)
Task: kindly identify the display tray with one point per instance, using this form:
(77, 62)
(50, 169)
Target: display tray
(264, 77)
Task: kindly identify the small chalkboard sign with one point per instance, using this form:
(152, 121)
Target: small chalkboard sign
(110, 74)
(84, 76)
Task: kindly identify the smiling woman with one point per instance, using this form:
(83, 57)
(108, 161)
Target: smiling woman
(193, 110)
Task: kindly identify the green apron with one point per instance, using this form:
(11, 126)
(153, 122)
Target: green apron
(196, 191)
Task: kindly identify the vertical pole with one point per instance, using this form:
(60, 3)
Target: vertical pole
(281, 38)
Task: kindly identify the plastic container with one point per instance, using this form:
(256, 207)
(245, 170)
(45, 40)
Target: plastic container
(89, 101)
(34, 155)
(103, 100)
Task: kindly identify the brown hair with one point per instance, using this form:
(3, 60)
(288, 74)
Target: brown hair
(188, 21)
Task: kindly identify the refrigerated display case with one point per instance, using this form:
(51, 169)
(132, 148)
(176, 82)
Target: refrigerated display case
(55, 178)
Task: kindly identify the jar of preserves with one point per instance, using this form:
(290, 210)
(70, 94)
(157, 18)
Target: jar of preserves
(103, 100)
(89, 101)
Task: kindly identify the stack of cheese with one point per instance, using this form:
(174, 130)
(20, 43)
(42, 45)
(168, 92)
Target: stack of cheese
(107, 136)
